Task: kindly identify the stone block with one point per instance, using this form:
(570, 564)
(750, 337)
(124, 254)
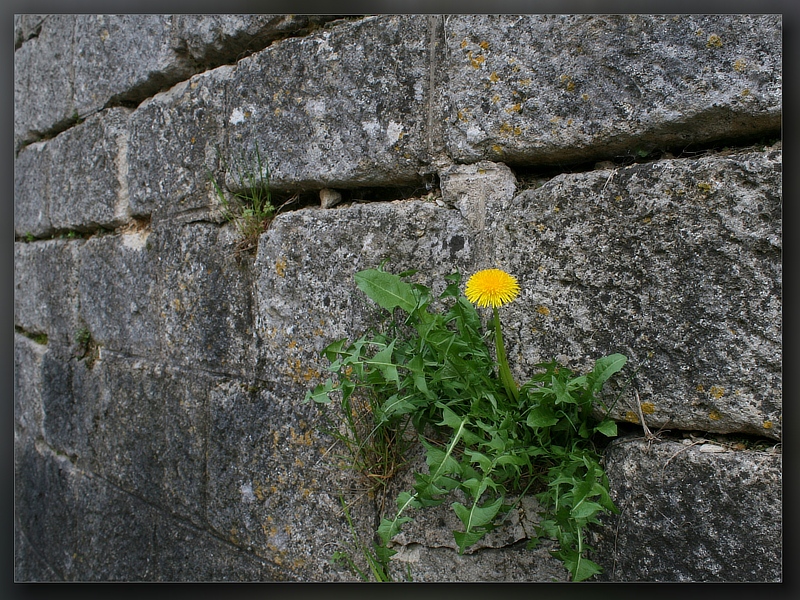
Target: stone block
(273, 487)
(676, 264)
(86, 185)
(692, 512)
(117, 288)
(185, 123)
(339, 107)
(43, 80)
(45, 290)
(45, 510)
(560, 89)
(306, 294)
(31, 170)
(28, 383)
(206, 298)
(146, 428)
(123, 57)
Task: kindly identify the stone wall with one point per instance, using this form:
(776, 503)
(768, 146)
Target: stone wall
(626, 168)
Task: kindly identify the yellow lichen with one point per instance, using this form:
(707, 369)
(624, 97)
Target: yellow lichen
(714, 415)
(767, 425)
(631, 417)
(484, 45)
(493, 77)
(739, 65)
(280, 267)
(706, 187)
(714, 41)
(543, 310)
(648, 408)
(716, 391)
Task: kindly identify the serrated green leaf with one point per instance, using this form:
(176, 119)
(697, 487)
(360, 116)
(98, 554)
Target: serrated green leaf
(605, 367)
(387, 290)
(466, 539)
(541, 416)
(608, 428)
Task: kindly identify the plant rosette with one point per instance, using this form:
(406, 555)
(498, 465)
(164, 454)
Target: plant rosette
(429, 365)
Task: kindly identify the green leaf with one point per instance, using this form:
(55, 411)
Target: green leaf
(477, 516)
(466, 539)
(383, 361)
(586, 509)
(605, 367)
(387, 290)
(541, 416)
(583, 568)
(608, 428)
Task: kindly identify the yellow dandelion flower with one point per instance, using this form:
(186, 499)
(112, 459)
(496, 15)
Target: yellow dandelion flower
(491, 287)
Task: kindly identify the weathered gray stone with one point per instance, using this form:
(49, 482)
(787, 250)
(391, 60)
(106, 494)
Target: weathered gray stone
(552, 89)
(359, 120)
(307, 297)
(28, 384)
(31, 169)
(117, 287)
(676, 264)
(271, 488)
(86, 180)
(146, 427)
(186, 123)
(205, 300)
(692, 515)
(45, 289)
(76, 65)
(43, 81)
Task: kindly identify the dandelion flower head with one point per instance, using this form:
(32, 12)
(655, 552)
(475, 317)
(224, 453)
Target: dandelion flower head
(491, 287)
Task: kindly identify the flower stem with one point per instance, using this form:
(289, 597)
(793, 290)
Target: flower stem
(502, 361)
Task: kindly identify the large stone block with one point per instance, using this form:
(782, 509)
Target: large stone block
(43, 80)
(31, 170)
(345, 106)
(187, 124)
(273, 488)
(676, 264)
(553, 89)
(86, 180)
(206, 298)
(117, 287)
(45, 289)
(28, 383)
(146, 427)
(692, 512)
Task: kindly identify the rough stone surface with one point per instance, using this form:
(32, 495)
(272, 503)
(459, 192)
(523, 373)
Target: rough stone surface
(45, 284)
(360, 121)
(70, 66)
(692, 511)
(539, 89)
(160, 369)
(676, 264)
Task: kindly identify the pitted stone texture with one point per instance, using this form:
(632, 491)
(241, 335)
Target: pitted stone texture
(274, 484)
(344, 107)
(205, 297)
(676, 264)
(74, 181)
(117, 284)
(70, 66)
(687, 514)
(28, 384)
(185, 124)
(43, 80)
(307, 297)
(144, 429)
(543, 89)
(45, 289)
(31, 171)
